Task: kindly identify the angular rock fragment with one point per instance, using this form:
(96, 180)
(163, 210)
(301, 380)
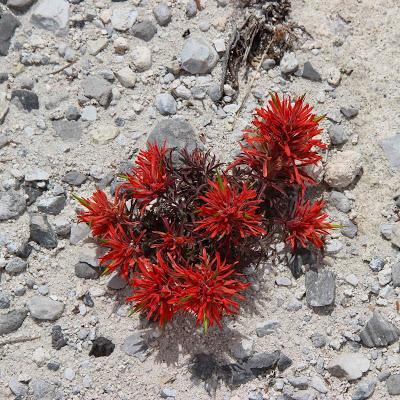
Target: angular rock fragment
(310, 73)
(102, 347)
(379, 332)
(350, 366)
(320, 288)
(12, 321)
(12, 204)
(45, 309)
(52, 15)
(8, 24)
(198, 56)
(29, 100)
(96, 87)
(391, 148)
(41, 232)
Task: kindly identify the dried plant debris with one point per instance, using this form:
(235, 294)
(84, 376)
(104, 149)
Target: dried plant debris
(263, 34)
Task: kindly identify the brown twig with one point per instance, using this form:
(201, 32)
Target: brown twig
(62, 68)
(248, 90)
(198, 4)
(20, 339)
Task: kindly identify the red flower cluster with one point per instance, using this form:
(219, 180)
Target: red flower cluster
(177, 230)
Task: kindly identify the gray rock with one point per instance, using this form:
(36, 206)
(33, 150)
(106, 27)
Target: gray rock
(340, 201)
(349, 112)
(364, 390)
(268, 328)
(142, 58)
(391, 148)
(318, 384)
(68, 130)
(191, 9)
(4, 108)
(96, 87)
(261, 362)
(41, 231)
(135, 346)
(162, 14)
(42, 390)
(12, 321)
(268, 64)
(349, 229)
(8, 24)
(37, 175)
(379, 332)
(62, 226)
(377, 264)
(74, 178)
(396, 234)
(338, 134)
(16, 265)
(12, 204)
(310, 73)
(165, 104)
(289, 63)
(299, 382)
(4, 301)
(144, 30)
(214, 92)
(79, 232)
(17, 388)
(52, 15)
(350, 366)
(318, 340)
(168, 393)
(175, 132)
(69, 374)
(72, 113)
(283, 281)
(28, 99)
(396, 274)
(198, 56)
(116, 282)
(85, 271)
(320, 288)
(45, 309)
(51, 205)
(386, 230)
(393, 384)
(254, 395)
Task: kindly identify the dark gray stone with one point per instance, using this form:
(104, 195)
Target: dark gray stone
(12, 204)
(349, 112)
(191, 9)
(377, 264)
(4, 301)
(41, 231)
(162, 14)
(102, 347)
(74, 178)
(165, 104)
(393, 384)
(267, 328)
(28, 99)
(16, 265)
(364, 390)
(284, 362)
(391, 148)
(8, 24)
(58, 341)
(379, 332)
(144, 30)
(261, 362)
(86, 271)
(12, 321)
(51, 205)
(236, 374)
(310, 73)
(175, 132)
(320, 288)
(349, 229)
(72, 113)
(53, 366)
(396, 274)
(19, 389)
(68, 130)
(3, 77)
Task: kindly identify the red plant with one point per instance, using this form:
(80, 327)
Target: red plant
(149, 178)
(282, 142)
(102, 215)
(175, 214)
(227, 213)
(124, 250)
(153, 289)
(307, 224)
(209, 290)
